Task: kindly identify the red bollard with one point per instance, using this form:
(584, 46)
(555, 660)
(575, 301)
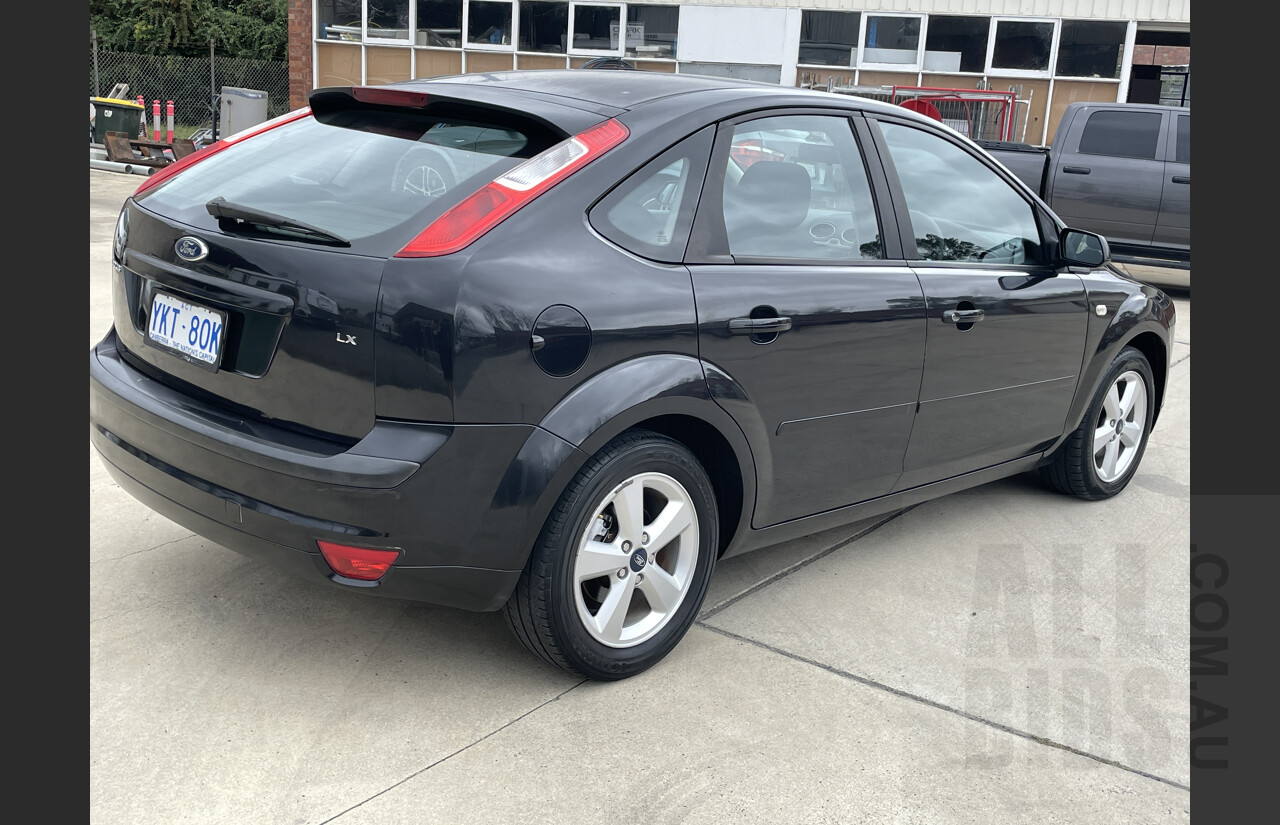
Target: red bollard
(155, 118)
(168, 110)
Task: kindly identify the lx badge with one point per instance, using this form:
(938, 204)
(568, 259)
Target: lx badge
(346, 339)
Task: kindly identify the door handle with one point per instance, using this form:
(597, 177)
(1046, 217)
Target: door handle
(962, 316)
(1076, 170)
(1182, 179)
(758, 326)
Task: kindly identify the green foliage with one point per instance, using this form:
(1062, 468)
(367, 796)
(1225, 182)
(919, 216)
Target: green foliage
(255, 29)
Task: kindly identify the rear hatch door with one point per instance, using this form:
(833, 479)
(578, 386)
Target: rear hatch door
(251, 278)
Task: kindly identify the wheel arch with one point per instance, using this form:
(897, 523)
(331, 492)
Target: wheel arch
(1157, 355)
(717, 457)
(667, 394)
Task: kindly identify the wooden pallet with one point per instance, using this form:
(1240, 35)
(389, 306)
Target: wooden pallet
(121, 148)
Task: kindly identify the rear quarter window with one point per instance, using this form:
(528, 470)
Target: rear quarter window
(651, 211)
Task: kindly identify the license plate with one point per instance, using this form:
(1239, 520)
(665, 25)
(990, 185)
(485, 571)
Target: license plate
(188, 329)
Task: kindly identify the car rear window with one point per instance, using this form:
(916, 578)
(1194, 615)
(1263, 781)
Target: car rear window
(359, 171)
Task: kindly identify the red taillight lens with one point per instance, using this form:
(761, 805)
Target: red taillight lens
(503, 196)
(162, 175)
(363, 563)
(389, 97)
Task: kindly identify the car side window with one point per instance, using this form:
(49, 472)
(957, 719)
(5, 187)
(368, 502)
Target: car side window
(1182, 149)
(795, 187)
(650, 212)
(960, 209)
(1121, 134)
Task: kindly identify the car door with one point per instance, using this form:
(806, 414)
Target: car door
(1005, 332)
(1109, 181)
(808, 309)
(1173, 227)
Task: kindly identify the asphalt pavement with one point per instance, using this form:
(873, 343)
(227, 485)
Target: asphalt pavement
(1001, 655)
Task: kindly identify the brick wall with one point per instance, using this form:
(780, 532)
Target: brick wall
(1162, 55)
(300, 70)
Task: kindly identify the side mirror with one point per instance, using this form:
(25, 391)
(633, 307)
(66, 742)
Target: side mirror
(1079, 248)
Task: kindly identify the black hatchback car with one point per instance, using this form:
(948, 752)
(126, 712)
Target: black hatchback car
(554, 342)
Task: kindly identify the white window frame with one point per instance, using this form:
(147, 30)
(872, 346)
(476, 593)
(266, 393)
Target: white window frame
(1124, 44)
(515, 33)
(626, 10)
(316, 25)
(387, 41)
(622, 31)
(986, 52)
(857, 48)
(1047, 73)
(462, 33)
(863, 24)
(490, 47)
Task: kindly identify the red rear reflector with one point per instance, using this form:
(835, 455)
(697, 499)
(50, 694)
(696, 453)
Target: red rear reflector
(362, 563)
(503, 196)
(161, 175)
(389, 97)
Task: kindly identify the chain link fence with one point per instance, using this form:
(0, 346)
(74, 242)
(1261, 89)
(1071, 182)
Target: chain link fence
(192, 83)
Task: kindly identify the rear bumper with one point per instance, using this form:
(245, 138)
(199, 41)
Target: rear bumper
(461, 503)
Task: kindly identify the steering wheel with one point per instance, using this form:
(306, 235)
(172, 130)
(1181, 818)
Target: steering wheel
(1007, 249)
(422, 171)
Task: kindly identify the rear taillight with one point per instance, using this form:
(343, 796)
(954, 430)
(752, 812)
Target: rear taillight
(162, 175)
(362, 563)
(503, 196)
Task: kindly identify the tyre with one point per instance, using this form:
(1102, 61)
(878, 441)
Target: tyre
(1100, 457)
(623, 563)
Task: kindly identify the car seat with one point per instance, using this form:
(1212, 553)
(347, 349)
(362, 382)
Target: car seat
(763, 212)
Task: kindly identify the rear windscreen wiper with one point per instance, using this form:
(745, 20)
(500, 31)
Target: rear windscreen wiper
(231, 215)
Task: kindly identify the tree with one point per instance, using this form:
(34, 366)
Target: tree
(239, 28)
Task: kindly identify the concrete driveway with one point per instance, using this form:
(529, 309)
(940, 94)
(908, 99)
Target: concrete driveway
(1003, 655)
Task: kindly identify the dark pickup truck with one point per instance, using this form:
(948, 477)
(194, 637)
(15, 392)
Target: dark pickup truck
(1122, 170)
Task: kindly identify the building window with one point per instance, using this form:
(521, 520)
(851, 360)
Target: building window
(543, 26)
(339, 20)
(440, 23)
(389, 20)
(892, 39)
(1022, 45)
(829, 38)
(596, 28)
(1091, 48)
(1175, 86)
(489, 23)
(956, 44)
(651, 31)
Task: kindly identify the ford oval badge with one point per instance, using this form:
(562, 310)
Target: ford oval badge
(191, 249)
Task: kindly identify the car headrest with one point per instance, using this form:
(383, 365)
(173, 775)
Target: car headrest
(770, 195)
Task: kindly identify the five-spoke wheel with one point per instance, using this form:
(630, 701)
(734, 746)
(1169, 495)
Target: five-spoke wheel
(623, 563)
(1099, 457)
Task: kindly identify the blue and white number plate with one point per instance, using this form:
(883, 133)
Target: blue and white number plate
(194, 331)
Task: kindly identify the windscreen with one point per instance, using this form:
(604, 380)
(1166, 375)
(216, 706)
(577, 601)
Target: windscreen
(355, 172)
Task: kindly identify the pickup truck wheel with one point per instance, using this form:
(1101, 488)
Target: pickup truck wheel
(1100, 457)
(623, 562)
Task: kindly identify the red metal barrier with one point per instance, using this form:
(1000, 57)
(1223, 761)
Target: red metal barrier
(981, 114)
